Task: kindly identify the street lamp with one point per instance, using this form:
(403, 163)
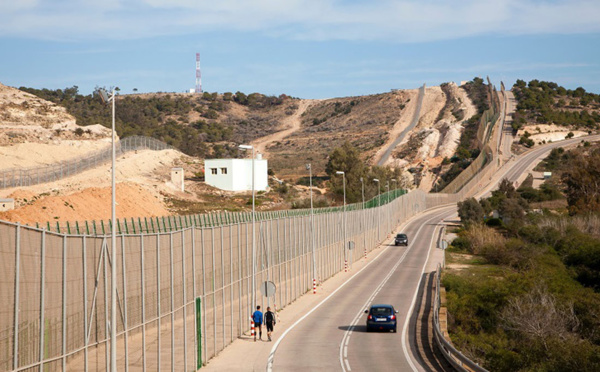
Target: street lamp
(395, 187)
(113, 240)
(362, 187)
(378, 206)
(312, 229)
(345, 240)
(249, 147)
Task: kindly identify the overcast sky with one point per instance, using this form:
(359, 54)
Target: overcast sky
(307, 49)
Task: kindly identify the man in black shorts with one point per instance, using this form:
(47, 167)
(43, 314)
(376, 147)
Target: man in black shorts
(257, 317)
(269, 321)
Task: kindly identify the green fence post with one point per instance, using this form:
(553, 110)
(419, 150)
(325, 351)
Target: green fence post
(57, 227)
(199, 331)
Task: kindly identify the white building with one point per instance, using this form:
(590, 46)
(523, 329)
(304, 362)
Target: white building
(236, 174)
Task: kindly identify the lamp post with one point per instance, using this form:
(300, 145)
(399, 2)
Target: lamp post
(312, 230)
(362, 187)
(395, 187)
(113, 240)
(387, 206)
(378, 207)
(345, 240)
(249, 147)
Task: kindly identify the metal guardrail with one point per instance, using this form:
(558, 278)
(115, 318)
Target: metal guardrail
(457, 359)
(19, 177)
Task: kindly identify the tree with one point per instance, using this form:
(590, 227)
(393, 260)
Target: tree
(470, 211)
(346, 159)
(582, 178)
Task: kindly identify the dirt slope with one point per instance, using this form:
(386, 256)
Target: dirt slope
(34, 132)
(289, 125)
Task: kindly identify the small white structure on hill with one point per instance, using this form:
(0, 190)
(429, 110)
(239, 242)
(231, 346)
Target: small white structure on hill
(236, 174)
(7, 205)
(177, 178)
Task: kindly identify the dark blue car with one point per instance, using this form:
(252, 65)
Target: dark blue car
(381, 318)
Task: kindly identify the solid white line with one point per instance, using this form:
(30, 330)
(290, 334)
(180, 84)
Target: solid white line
(274, 349)
(412, 305)
(380, 287)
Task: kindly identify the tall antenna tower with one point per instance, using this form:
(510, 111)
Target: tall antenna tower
(198, 75)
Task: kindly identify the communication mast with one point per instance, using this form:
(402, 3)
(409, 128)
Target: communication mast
(198, 75)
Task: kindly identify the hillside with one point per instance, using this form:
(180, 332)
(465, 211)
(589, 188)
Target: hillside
(26, 118)
(549, 112)
(290, 132)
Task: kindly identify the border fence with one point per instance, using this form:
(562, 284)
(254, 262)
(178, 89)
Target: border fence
(19, 177)
(175, 223)
(56, 287)
(183, 292)
(487, 126)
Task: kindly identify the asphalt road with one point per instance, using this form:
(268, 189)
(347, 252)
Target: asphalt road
(333, 336)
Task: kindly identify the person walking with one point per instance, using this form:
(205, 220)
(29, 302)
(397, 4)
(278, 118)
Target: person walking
(257, 316)
(269, 322)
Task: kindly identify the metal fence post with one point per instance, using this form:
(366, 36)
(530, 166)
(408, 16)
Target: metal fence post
(172, 303)
(198, 332)
(182, 232)
(158, 297)
(85, 311)
(197, 343)
(125, 300)
(142, 283)
(64, 304)
(16, 307)
(42, 290)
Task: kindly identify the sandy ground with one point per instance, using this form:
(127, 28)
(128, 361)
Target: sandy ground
(26, 155)
(548, 132)
(141, 177)
(289, 125)
(433, 102)
(402, 123)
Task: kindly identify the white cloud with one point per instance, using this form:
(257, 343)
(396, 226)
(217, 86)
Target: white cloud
(391, 20)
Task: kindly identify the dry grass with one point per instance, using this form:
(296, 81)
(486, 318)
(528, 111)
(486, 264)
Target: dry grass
(589, 224)
(482, 236)
(363, 121)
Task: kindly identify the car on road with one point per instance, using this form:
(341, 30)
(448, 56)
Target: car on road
(381, 318)
(401, 239)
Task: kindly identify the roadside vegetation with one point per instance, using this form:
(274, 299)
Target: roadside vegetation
(523, 283)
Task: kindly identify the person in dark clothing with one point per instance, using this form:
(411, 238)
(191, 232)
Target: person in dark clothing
(257, 317)
(269, 321)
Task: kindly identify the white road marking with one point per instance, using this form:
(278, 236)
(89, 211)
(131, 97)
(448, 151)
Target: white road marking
(344, 360)
(412, 305)
(274, 349)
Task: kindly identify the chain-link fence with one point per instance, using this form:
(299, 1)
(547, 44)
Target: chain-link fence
(182, 297)
(19, 177)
